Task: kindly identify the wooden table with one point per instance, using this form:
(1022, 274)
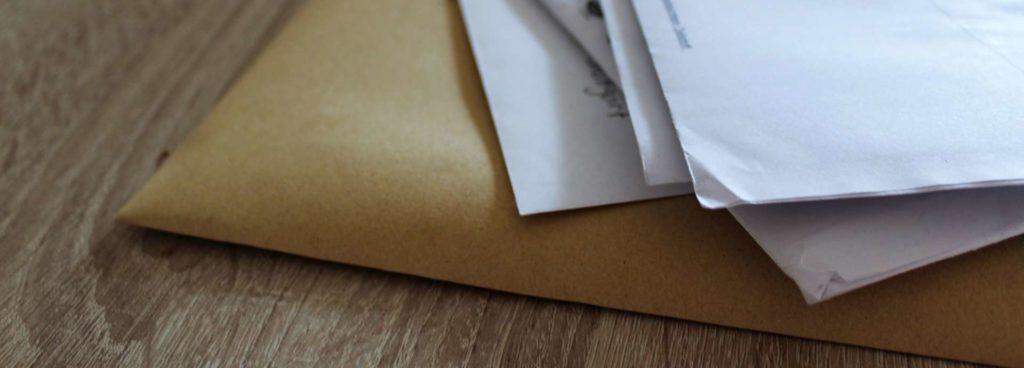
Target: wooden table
(94, 94)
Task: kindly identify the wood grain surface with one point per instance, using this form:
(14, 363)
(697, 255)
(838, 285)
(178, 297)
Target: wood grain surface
(93, 94)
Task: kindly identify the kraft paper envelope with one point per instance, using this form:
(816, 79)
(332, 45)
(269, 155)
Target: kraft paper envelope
(362, 136)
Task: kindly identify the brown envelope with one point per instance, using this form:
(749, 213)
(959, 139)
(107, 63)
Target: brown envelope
(362, 136)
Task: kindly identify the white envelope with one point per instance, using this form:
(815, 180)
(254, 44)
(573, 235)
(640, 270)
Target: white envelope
(659, 147)
(832, 247)
(585, 21)
(795, 100)
(562, 124)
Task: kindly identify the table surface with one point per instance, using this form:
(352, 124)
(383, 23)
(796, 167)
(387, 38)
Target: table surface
(93, 96)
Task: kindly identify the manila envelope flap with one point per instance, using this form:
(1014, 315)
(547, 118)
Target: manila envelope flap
(362, 136)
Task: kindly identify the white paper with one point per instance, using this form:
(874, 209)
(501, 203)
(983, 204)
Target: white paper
(659, 146)
(997, 23)
(832, 247)
(562, 124)
(793, 100)
(584, 19)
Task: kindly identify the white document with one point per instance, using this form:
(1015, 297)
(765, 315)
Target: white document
(997, 23)
(832, 247)
(792, 100)
(660, 150)
(585, 21)
(562, 124)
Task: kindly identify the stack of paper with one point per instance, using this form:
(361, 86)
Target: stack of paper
(362, 135)
(853, 140)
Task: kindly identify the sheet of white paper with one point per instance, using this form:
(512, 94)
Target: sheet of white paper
(997, 23)
(585, 21)
(795, 100)
(562, 124)
(659, 146)
(832, 247)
